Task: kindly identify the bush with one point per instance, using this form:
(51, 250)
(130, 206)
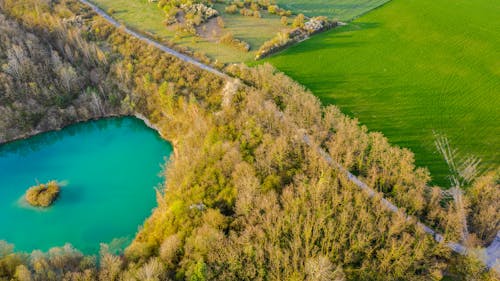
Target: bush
(272, 9)
(246, 12)
(287, 38)
(284, 21)
(231, 9)
(229, 39)
(299, 21)
(254, 6)
(43, 195)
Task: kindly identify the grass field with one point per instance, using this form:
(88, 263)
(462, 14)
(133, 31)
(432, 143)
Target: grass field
(253, 31)
(343, 10)
(147, 17)
(410, 68)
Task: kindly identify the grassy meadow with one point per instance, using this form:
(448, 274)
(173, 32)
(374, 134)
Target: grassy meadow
(251, 30)
(147, 17)
(343, 10)
(411, 68)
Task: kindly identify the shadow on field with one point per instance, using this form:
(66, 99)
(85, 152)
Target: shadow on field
(326, 87)
(330, 39)
(121, 11)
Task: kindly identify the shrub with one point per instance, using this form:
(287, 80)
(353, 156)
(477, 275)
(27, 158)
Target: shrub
(287, 38)
(254, 6)
(299, 21)
(284, 21)
(229, 39)
(231, 9)
(246, 12)
(286, 13)
(272, 9)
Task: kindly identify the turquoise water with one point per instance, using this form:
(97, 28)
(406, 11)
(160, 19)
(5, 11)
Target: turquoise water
(109, 169)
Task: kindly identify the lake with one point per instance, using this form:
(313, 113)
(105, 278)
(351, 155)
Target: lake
(109, 169)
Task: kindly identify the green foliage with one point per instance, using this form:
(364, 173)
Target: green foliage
(299, 21)
(271, 182)
(199, 272)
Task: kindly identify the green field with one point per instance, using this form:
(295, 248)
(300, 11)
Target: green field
(410, 68)
(148, 18)
(343, 10)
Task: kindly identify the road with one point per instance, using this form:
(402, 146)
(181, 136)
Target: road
(162, 47)
(491, 254)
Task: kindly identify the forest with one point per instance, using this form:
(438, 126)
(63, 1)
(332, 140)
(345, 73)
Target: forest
(246, 198)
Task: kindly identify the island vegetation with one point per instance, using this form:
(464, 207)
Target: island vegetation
(43, 195)
(246, 198)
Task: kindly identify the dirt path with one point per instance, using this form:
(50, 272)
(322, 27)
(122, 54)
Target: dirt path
(162, 47)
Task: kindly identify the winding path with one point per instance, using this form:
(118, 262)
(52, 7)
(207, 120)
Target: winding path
(491, 254)
(162, 47)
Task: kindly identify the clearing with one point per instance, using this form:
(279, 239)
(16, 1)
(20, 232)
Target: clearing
(146, 17)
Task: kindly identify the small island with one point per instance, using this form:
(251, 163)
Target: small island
(43, 195)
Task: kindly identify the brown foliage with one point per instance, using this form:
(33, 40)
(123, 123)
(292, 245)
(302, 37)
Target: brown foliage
(43, 195)
(246, 198)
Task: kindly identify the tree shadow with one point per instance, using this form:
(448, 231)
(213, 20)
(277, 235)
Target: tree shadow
(122, 11)
(330, 40)
(71, 195)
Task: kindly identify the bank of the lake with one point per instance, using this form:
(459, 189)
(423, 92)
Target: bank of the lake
(109, 167)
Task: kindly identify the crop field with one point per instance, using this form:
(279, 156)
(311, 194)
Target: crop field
(148, 18)
(343, 10)
(412, 68)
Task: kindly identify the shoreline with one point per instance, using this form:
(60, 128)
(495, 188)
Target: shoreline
(152, 126)
(138, 116)
(37, 132)
(108, 116)
(22, 203)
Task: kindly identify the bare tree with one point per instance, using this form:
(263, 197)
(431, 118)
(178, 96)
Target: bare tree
(463, 171)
